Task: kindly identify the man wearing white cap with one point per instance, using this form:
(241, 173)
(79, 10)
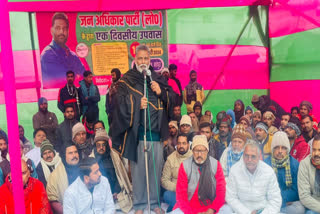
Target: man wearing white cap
(185, 124)
(201, 184)
(286, 169)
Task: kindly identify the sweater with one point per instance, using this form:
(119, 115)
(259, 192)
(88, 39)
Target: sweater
(171, 168)
(57, 184)
(193, 206)
(247, 192)
(288, 194)
(306, 179)
(300, 149)
(35, 198)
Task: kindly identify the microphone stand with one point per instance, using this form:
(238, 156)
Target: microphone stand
(145, 142)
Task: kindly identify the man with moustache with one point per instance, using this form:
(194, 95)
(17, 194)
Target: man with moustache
(64, 130)
(171, 143)
(63, 176)
(309, 179)
(128, 126)
(90, 192)
(57, 58)
(110, 105)
(171, 168)
(45, 120)
(252, 185)
(201, 184)
(286, 169)
(308, 132)
(69, 96)
(264, 139)
(50, 160)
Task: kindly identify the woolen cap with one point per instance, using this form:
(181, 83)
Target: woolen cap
(263, 126)
(280, 139)
(185, 120)
(200, 140)
(239, 132)
(78, 127)
(174, 124)
(101, 135)
(46, 145)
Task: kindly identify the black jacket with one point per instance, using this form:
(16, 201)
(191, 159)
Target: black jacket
(64, 134)
(127, 114)
(64, 99)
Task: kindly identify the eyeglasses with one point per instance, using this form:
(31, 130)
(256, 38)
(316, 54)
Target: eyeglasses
(101, 145)
(200, 151)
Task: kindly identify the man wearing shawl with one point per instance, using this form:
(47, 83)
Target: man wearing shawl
(201, 185)
(238, 109)
(309, 179)
(269, 118)
(305, 108)
(110, 105)
(128, 126)
(89, 95)
(286, 169)
(62, 177)
(233, 153)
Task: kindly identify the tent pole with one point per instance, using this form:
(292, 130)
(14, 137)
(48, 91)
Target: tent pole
(34, 56)
(11, 108)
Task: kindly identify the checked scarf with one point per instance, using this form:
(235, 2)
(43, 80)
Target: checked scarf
(284, 163)
(232, 158)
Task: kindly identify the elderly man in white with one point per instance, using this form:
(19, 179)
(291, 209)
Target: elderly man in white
(252, 187)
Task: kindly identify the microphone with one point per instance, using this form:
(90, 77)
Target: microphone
(148, 73)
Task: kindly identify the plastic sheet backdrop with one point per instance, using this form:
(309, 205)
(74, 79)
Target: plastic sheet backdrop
(294, 51)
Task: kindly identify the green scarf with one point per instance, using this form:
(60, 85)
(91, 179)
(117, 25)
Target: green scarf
(284, 163)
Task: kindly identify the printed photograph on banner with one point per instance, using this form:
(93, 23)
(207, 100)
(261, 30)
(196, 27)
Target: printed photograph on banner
(99, 42)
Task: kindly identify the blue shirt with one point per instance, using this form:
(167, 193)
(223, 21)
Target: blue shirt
(55, 62)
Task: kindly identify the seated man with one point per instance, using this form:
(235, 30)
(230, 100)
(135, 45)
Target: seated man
(200, 184)
(286, 169)
(35, 196)
(233, 153)
(90, 192)
(264, 139)
(300, 149)
(171, 168)
(5, 166)
(4, 151)
(64, 175)
(79, 137)
(171, 143)
(102, 153)
(309, 179)
(49, 161)
(215, 149)
(185, 124)
(252, 185)
(39, 135)
(224, 135)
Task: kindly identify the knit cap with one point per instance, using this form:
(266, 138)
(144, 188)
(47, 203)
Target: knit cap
(174, 124)
(307, 104)
(294, 127)
(269, 114)
(245, 118)
(42, 100)
(280, 139)
(164, 70)
(263, 126)
(257, 113)
(78, 127)
(205, 119)
(226, 120)
(101, 135)
(255, 98)
(46, 145)
(200, 140)
(185, 120)
(239, 132)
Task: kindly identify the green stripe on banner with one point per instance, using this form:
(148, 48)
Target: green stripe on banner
(222, 100)
(296, 48)
(286, 72)
(20, 31)
(220, 25)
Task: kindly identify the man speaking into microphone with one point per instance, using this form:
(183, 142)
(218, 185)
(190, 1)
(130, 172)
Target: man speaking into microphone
(129, 123)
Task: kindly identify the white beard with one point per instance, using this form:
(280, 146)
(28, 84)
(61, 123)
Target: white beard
(141, 67)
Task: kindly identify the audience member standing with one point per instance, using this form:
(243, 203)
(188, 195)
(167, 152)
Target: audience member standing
(45, 120)
(110, 103)
(69, 95)
(89, 95)
(193, 92)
